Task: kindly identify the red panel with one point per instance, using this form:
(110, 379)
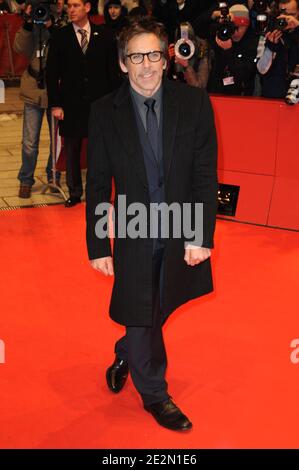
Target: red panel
(9, 25)
(246, 132)
(254, 196)
(287, 142)
(284, 211)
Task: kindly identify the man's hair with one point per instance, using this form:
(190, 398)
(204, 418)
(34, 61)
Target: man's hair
(83, 1)
(141, 25)
(287, 1)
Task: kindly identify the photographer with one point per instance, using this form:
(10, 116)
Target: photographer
(32, 41)
(278, 62)
(194, 70)
(234, 58)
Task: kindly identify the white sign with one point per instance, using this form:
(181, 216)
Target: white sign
(2, 92)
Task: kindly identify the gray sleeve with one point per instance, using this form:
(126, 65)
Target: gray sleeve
(24, 43)
(265, 61)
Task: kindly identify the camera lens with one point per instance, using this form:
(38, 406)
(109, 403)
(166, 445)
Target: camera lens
(281, 23)
(184, 49)
(40, 12)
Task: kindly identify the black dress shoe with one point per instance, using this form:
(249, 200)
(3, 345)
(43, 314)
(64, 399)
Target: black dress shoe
(72, 201)
(117, 374)
(167, 414)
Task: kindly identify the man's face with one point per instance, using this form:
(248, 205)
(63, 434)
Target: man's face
(59, 6)
(77, 10)
(180, 2)
(145, 78)
(239, 33)
(290, 8)
(114, 11)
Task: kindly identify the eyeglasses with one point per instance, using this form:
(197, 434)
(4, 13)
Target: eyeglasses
(138, 57)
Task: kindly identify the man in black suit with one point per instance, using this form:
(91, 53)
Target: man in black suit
(81, 67)
(157, 139)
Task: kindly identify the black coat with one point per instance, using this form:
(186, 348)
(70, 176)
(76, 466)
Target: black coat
(240, 62)
(75, 80)
(171, 16)
(189, 157)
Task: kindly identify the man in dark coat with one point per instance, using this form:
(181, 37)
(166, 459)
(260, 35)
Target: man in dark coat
(81, 67)
(157, 139)
(174, 12)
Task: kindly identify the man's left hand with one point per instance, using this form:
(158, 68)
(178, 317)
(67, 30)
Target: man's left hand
(194, 256)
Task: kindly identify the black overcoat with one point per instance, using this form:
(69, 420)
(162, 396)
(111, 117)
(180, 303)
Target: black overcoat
(189, 158)
(75, 80)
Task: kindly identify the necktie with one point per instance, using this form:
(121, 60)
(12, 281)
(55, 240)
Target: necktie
(84, 41)
(152, 128)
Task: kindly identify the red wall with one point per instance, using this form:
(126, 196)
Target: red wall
(9, 25)
(259, 151)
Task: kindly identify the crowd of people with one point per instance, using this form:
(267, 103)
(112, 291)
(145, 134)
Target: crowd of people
(231, 59)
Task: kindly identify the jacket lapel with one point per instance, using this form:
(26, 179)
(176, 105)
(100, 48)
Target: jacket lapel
(94, 33)
(125, 124)
(73, 39)
(170, 120)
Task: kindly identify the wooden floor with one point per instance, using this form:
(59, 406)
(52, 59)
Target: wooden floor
(11, 122)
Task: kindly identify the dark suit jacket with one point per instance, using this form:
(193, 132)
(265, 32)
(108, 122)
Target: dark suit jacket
(75, 80)
(189, 159)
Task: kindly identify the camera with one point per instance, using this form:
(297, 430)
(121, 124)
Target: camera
(225, 27)
(268, 21)
(260, 7)
(292, 96)
(41, 10)
(277, 23)
(184, 48)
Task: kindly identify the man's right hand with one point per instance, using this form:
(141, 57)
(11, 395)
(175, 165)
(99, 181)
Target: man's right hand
(104, 265)
(27, 12)
(225, 45)
(58, 113)
(274, 36)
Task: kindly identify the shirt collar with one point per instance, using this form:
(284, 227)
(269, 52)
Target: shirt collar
(86, 27)
(140, 99)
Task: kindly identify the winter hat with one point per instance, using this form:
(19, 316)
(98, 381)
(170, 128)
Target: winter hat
(113, 2)
(241, 15)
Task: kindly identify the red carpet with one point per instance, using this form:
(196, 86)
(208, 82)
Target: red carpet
(229, 353)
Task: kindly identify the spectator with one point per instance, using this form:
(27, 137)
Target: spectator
(82, 66)
(115, 16)
(278, 62)
(193, 71)
(174, 12)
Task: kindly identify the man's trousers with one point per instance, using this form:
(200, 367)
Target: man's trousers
(143, 347)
